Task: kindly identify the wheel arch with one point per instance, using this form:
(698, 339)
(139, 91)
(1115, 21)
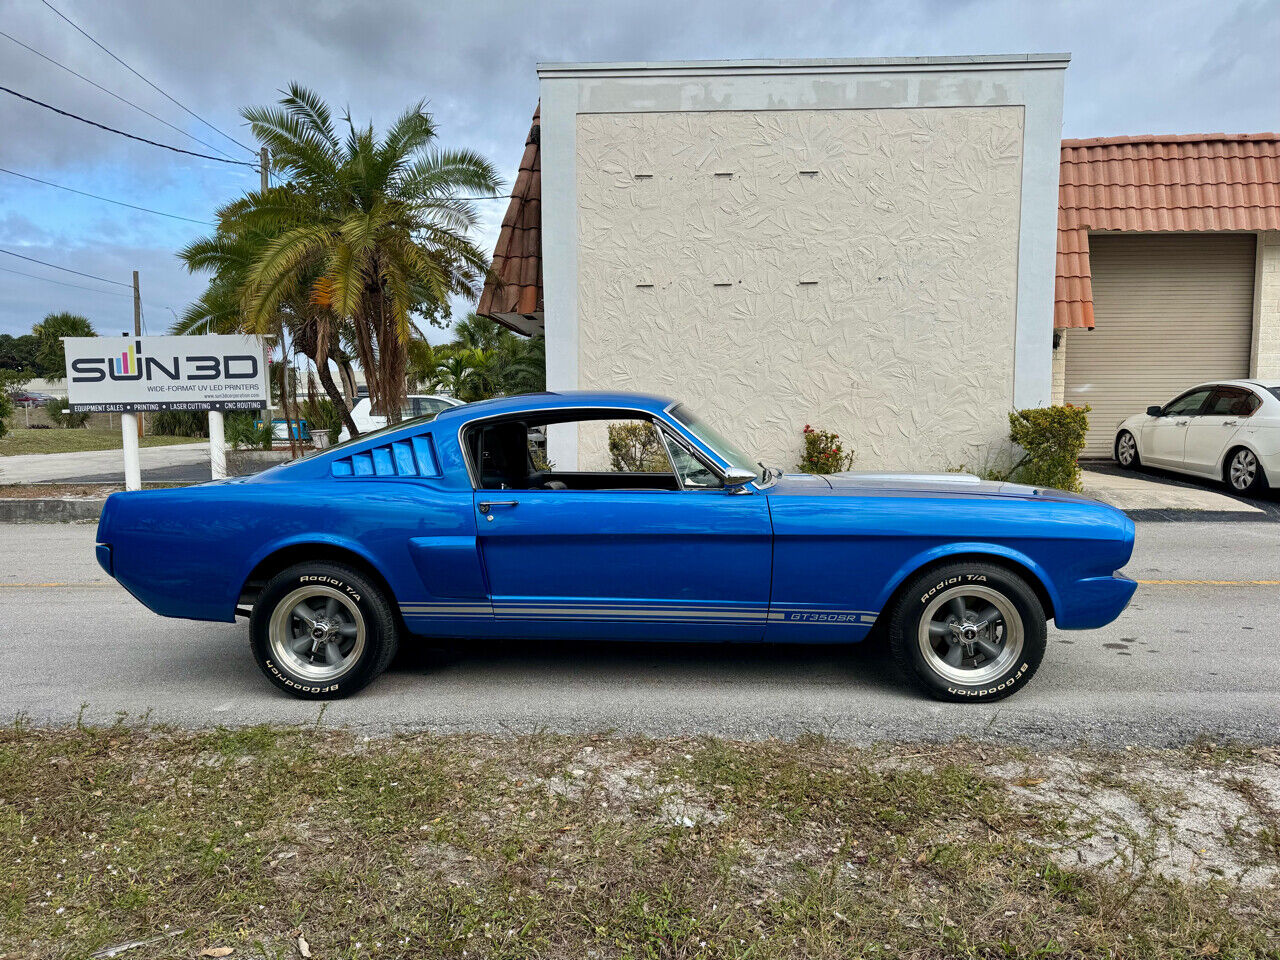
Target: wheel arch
(308, 550)
(1227, 454)
(1009, 559)
(1115, 442)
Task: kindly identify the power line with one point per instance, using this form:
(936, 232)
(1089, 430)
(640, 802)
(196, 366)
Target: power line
(119, 203)
(112, 93)
(103, 126)
(63, 283)
(45, 263)
(142, 78)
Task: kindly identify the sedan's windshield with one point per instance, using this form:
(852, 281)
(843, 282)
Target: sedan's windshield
(718, 442)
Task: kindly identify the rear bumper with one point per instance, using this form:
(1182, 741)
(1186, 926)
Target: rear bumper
(1094, 602)
(104, 558)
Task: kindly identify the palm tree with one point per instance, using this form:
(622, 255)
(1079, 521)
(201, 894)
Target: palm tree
(306, 326)
(373, 229)
(50, 356)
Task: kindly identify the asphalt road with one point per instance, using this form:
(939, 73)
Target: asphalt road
(1185, 660)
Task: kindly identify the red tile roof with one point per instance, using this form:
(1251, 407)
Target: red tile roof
(514, 285)
(1190, 182)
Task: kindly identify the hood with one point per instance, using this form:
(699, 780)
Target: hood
(922, 484)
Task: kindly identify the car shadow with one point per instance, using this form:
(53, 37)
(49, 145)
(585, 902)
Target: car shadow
(1268, 501)
(652, 662)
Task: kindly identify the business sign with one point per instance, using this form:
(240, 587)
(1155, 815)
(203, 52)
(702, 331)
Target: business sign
(131, 374)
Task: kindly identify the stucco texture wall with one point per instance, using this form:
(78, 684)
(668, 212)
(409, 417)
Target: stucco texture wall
(851, 269)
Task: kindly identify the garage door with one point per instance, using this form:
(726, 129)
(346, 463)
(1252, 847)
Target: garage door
(1170, 311)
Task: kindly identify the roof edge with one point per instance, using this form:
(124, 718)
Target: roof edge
(1004, 61)
(1170, 138)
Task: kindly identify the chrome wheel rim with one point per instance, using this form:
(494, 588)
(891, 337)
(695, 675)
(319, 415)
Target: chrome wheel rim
(1127, 448)
(970, 634)
(1244, 469)
(317, 632)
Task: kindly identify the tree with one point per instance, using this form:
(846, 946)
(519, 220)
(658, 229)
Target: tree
(51, 359)
(19, 353)
(483, 360)
(311, 327)
(374, 229)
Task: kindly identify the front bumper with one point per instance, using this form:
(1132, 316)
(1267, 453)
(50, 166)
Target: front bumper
(1095, 602)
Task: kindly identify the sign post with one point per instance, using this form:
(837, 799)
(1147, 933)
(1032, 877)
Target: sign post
(130, 375)
(217, 445)
(132, 468)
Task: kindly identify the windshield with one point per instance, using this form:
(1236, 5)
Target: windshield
(718, 442)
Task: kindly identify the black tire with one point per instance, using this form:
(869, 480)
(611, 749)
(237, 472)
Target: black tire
(1135, 461)
(363, 624)
(1235, 473)
(994, 677)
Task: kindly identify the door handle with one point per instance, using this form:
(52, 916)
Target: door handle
(1181, 423)
(484, 506)
(1231, 423)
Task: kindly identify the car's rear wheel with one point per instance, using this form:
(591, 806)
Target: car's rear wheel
(1243, 473)
(968, 631)
(322, 630)
(1127, 450)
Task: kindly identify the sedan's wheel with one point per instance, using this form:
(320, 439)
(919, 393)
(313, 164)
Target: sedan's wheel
(1244, 472)
(1127, 450)
(322, 631)
(968, 631)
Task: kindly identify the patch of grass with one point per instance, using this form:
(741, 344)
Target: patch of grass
(412, 846)
(21, 440)
(40, 491)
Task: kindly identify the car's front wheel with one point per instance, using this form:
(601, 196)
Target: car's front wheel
(968, 631)
(1127, 450)
(1244, 474)
(322, 630)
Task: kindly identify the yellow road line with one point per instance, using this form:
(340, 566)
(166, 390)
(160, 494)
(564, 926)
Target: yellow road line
(1211, 583)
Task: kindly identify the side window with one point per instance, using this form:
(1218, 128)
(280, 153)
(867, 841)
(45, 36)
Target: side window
(620, 453)
(1232, 402)
(1188, 404)
(693, 473)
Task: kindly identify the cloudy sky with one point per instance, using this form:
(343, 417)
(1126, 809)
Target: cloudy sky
(1166, 67)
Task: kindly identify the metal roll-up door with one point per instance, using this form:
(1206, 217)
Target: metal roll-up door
(1170, 310)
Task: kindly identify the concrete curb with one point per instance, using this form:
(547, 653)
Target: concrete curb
(50, 510)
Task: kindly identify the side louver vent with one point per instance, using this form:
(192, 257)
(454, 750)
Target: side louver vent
(412, 457)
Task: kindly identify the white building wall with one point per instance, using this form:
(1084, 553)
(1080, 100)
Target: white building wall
(1265, 360)
(867, 247)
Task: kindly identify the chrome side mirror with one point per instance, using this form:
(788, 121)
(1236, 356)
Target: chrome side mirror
(736, 477)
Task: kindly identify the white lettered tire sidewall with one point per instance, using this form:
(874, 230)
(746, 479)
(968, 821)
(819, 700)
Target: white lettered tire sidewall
(380, 629)
(911, 607)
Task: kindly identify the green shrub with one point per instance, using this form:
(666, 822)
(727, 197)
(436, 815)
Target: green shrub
(1052, 439)
(54, 411)
(6, 411)
(322, 415)
(239, 430)
(636, 448)
(179, 423)
(823, 452)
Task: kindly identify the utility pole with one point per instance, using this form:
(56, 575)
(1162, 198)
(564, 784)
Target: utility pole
(264, 166)
(137, 325)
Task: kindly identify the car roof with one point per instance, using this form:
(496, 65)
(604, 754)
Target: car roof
(1265, 384)
(567, 399)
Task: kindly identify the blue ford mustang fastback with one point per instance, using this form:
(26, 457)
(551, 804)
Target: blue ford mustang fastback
(461, 526)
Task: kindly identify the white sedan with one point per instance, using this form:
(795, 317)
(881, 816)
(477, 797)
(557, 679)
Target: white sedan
(1228, 430)
(416, 405)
